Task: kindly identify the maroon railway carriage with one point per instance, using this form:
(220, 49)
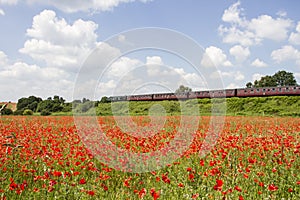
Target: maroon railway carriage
(268, 91)
(141, 97)
(170, 96)
(213, 94)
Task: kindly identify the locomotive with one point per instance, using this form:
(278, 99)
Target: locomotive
(226, 93)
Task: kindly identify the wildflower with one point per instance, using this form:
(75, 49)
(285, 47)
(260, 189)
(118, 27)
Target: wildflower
(154, 194)
(82, 181)
(219, 185)
(180, 185)
(272, 187)
(142, 193)
(90, 192)
(238, 188)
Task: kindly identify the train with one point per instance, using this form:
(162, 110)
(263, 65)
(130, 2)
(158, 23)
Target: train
(226, 93)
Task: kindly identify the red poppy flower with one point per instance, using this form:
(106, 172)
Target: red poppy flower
(272, 187)
(82, 181)
(219, 185)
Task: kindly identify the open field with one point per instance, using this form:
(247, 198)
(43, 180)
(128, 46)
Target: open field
(254, 158)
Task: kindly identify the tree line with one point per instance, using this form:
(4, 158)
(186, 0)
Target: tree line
(280, 78)
(32, 104)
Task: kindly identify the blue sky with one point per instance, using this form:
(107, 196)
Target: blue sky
(44, 44)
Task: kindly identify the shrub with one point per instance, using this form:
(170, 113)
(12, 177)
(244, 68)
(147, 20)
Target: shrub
(28, 112)
(45, 113)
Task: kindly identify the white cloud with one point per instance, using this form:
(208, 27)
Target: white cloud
(295, 36)
(286, 53)
(121, 38)
(240, 53)
(266, 27)
(256, 76)
(58, 43)
(215, 56)
(2, 12)
(281, 13)
(122, 66)
(87, 5)
(234, 35)
(3, 59)
(154, 60)
(48, 27)
(254, 31)
(236, 75)
(21, 79)
(233, 14)
(258, 63)
(297, 76)
(233, 86)
(23, 71)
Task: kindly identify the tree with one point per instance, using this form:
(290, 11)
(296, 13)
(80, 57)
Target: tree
(266, 81)
(7, 111)
(183, 89)
(280, 78)
(104, 100)
(45, 113)
(249, 85)
(283, 78)
(28, 103)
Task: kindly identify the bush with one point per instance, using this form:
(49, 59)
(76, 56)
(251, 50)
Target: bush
(45, 113)
(18, 112)
(28, 112)
(7, 111)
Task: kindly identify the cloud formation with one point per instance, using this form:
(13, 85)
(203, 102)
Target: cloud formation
(240, 53)
(2, 12)
(58, 43)
(286, 53)
(295, 36)
(258, 63)
(254, 31)
(215, 56)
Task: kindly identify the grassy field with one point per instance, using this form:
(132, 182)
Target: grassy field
(45, 158)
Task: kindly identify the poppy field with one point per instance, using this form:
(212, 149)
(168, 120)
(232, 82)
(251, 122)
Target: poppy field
(252, 158)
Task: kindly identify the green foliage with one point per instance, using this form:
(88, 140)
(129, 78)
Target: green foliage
(6, 111)
(83, 107)
(249, 85)
(183, 89)
(36, 104)
(105, 100)
(27, 112)
(284, 78)
(28, 103)
(280, 78)
(45, 113)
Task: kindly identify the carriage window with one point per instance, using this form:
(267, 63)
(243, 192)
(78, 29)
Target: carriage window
(257, 90)
(273, 89)
(264, 90)
(287, 88)
(295, 88)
